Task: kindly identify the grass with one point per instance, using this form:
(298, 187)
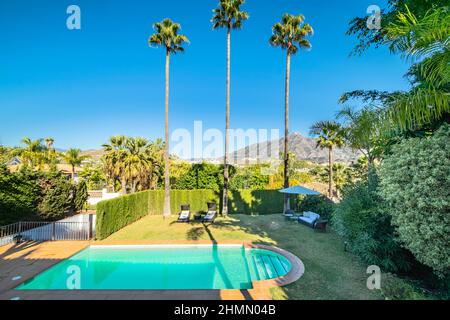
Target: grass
(330, 273)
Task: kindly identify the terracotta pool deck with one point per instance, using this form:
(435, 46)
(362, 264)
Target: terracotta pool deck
(29, 259)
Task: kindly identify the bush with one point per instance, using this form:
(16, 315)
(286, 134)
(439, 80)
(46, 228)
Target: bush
(415, 182)
(58, 197)
(81, 195)
(318, 204)
(19, 196)
(361, 219)
(114, 214)
(394, 288)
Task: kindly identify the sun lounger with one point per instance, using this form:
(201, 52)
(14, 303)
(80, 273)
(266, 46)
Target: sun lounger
(211, 214)
(185, 213)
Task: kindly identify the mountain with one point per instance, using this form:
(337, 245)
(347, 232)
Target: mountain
(303, 147)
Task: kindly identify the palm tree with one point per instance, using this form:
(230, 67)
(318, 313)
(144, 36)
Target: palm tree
(426, 40)
(362, 131)
(228, 15)
(290, 35)
(115, 152)
(32, 154)
(330, 136)
(137, 161)
(167, 36)
(74, 158)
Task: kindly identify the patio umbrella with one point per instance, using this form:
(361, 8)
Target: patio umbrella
(299, 190)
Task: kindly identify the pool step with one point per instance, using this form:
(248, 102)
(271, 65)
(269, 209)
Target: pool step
(268, 267)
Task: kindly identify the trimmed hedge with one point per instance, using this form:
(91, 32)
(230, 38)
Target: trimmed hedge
(114, 214)
(256, 202)
(198, 200)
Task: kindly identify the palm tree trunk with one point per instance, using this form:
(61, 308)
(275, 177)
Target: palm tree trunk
(73, 173)
(227, 128)
(330, 173)
(123, 182)
(286, 130)
(166, 209)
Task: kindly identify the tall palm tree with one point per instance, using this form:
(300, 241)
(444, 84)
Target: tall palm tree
(228, 15)
(330, 135)
(166, 35)
(74, 158)
(289, 34)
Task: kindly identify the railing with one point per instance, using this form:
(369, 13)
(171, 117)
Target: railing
(45, 231)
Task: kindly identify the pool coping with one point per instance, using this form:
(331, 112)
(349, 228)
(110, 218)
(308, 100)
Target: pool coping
(260, 290)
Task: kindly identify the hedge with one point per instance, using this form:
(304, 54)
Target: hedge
(114, 214)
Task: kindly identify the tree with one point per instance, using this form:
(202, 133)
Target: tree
(167, 36)
(74, 158)
(290, 35)
(422, 37)
(330, 136)
(415, 182)
(32, 155)
(228, 15)
(373, 37)
(362, 132)
(114, 161)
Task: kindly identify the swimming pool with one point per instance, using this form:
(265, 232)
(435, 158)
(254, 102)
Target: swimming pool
(162, 267)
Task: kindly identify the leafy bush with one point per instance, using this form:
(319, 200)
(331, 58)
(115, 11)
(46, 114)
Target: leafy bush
(81, 195)
(318, 204)
(114, 214)
(394, 288)
(57, 197)
(31, 195)
(361, 219)
(415, 181)
(19, 196)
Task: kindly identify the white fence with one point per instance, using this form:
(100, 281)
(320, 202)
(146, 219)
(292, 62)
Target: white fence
(79, 227)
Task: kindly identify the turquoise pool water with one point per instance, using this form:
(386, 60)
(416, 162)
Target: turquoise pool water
(161, 267)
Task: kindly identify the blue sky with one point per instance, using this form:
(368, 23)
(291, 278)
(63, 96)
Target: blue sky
(82, 86)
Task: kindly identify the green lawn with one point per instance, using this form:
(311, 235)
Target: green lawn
(330, 273)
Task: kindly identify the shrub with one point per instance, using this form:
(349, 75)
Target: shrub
(81, 195)
(318, 204)
(394, 288)
(19, 196)
(361, 219)
(58, 197)
(415, 181)
(114, 214)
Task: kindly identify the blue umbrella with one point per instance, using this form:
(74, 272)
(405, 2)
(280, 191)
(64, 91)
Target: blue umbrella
(299, 190)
